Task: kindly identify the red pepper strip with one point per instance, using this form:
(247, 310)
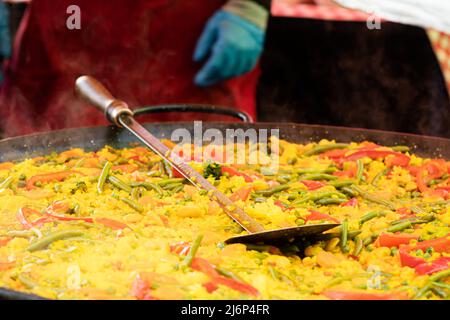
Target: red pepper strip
(438, 245)
(353, 202)
(313, 185)
(399, 160)
(314, 215)
(234, 172)
(141, 289)
(164, 220)
(335, 154)
(241, 194)
(110, 223)
(282, 205)
(407, 260)
(347, 295)
(181, 248)
(395, 240)
(434, 266)
(375, 154)
(23, 215)
(207, 268)
(6, 265)
(48, 177)
(4, 241)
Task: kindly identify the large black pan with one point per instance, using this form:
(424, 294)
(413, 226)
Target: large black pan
(15, 149)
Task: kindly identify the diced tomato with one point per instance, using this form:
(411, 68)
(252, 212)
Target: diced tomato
(4, 241)
(395, 240)
(49, 177)
(110, 223)
(315, 215)
(210, 286)
(353, 202)
(241, 194)
(6, 265)
(350, 172)
(400, 160)
(433, 169)
(434, 266)
(233, 172)
(348, 295)
(404, 212)
(176, 174)
(127, 168)
(313, 185)
(6, 165)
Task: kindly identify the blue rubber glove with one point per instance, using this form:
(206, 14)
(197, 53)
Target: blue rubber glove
(5, 39)
(231, 45)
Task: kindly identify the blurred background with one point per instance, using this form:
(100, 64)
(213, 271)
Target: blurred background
(317, 62)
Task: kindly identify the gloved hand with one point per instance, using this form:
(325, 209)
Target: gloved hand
(230, 44)
(5, 40)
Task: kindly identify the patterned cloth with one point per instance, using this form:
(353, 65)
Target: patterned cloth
(439, 40)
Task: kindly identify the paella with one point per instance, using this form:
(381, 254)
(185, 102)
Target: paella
(121, 224)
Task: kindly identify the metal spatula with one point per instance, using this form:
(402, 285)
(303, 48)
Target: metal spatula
(118, 113)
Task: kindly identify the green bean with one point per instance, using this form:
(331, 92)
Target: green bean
(327, 236)
(378, 177)
(341, 183)
(400, 148)
(259, 199)
(358, 247)
(329, 201)
(349, 192)
(135, 193)
(171, 186)
(322, 148)
(6, 183)
(119, 184)
(368, 240)
(442, 285)
(439, 292)
(317, 196)
(372, 198)
(194, 248)
(229, 274)
(103, 176)
(317, 176)
(399, 227)
(26, 281)
(149, 185)
(133, 204)
(344, 236)
(269, 192)
(440, 275)
(168, 169)
(369, 216)
(178, 188)
(165, 182)
(52, 237)
(417, 210)
(360, 170)
(315, 171)
(415, 220)
(161, 169)
(20, 233)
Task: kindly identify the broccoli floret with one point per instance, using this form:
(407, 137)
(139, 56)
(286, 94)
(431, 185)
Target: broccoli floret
(212, 169)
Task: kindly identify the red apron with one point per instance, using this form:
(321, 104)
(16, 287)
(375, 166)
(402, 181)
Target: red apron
(141, 49)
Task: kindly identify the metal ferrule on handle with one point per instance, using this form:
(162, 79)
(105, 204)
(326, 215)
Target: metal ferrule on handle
(97, 95)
